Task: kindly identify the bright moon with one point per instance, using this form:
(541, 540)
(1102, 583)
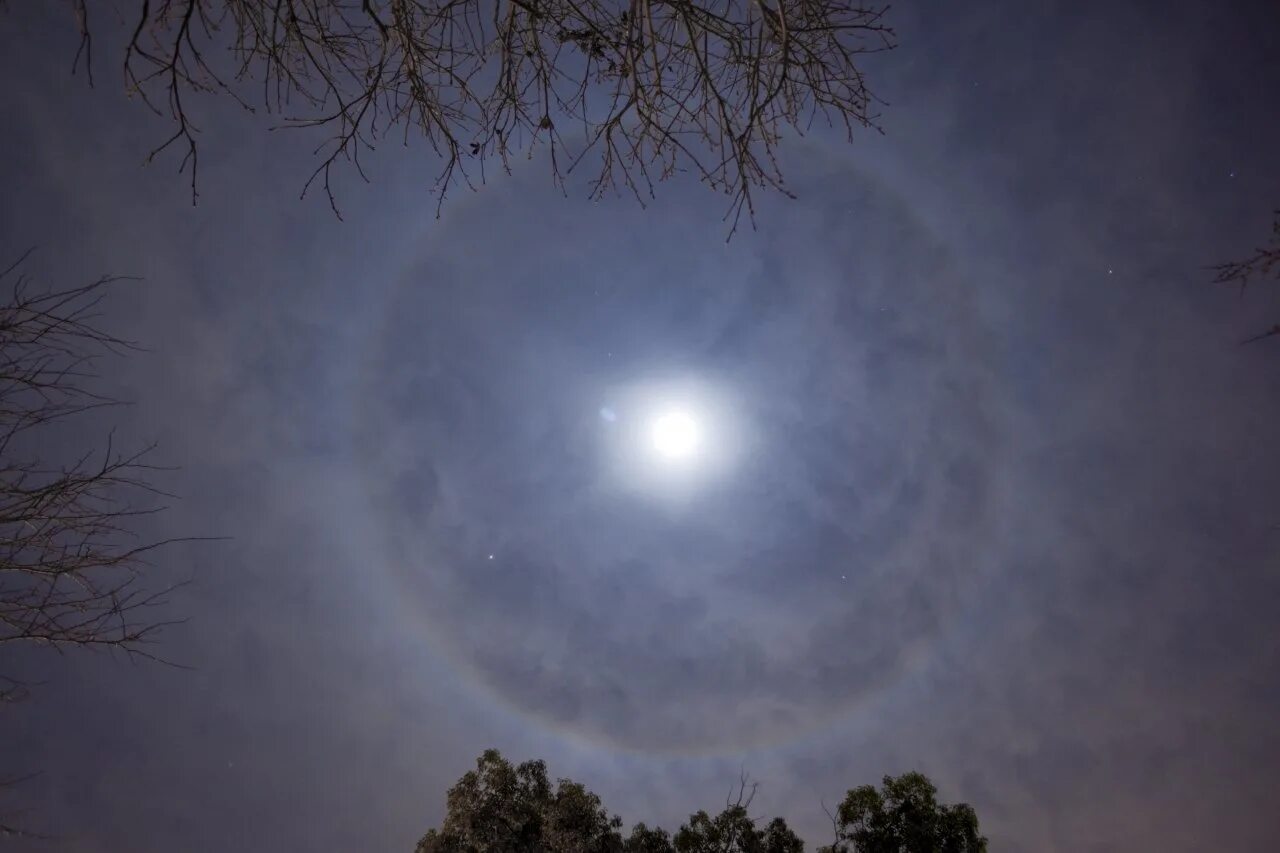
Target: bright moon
(675, 435)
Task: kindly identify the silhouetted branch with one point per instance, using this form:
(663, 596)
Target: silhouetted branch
(11, 820)
(13, 690)
(646, 87)
(746, 792)
(70, 563)
(1263, 263)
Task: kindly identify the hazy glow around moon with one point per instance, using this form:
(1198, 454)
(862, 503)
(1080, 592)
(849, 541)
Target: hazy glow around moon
(670, 439)
(675, 435)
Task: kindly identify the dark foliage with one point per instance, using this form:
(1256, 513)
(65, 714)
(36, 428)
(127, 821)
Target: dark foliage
(500, 808)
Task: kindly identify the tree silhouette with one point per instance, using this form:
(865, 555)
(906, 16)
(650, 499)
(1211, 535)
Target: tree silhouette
(71, 566)
(904, 816)
(498, 808)
(1262, 264)
(735, 831)
(645, 840)
(632, 90)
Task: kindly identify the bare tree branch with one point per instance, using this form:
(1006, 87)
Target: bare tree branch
(71, 561)
(11, 820)
(643, 89)
(1263, 263)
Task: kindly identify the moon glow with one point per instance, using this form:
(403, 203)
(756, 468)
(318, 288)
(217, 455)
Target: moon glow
(675, 435)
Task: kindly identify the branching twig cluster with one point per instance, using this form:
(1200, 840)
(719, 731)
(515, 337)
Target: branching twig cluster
(69, 560)
(11, 821)
(1262, 264)
(645, 87)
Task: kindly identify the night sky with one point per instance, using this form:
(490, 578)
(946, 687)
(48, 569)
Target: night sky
(986, 485)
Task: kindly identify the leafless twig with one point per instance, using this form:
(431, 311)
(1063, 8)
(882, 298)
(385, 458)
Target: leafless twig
(634, 91)
(69, 561)
(1263, 263)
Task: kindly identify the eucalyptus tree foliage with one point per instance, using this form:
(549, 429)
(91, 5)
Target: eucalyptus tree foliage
(735, 831)
(500, 808)
(904, 816)
(628, 91)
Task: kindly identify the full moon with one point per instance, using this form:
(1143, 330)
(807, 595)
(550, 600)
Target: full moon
(670, 439)
(675, 435)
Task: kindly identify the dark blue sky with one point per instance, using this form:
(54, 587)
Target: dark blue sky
(997, 497)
